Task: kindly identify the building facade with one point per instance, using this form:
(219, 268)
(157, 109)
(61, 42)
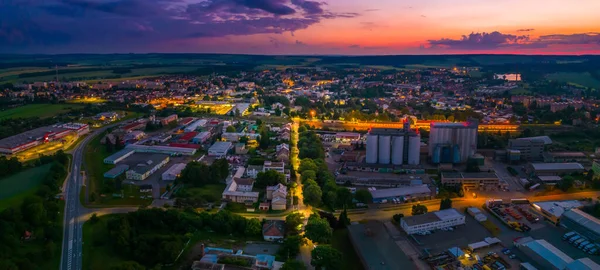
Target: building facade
(393, 146)
(452, 142)
(432, 221)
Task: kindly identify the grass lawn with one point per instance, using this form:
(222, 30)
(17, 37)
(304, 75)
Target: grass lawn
(210, 192)
(576, 78)
(37, 110)
(97, 250)
(341, 242)
(15, 188)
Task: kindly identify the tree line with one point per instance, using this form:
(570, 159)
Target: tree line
(31, 231)
(198, 174)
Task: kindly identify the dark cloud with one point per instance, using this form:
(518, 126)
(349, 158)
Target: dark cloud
(126, 25)
(354, 46)
(300, 43)
(525, 30)
(494, 40)
(479, 41)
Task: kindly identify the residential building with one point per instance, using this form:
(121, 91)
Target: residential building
(432, 221)
(278, 196)
(472, 181)
(274, 166)
(241, 194)
(220, 149)
(273, 230)
(452, 142)
(173, 172)
(143, 170)
(253, 170)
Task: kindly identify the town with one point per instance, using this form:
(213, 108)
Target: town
(301, 168)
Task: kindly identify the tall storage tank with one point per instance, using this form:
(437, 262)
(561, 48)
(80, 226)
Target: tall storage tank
(371, 149)
(385, 146)
(397, 150)
(414, 150)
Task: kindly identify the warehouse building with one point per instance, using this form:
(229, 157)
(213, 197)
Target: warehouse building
(472, 181)
(432, 221)
(545, 169)
(29, 139)
(173, 172)
(452, 142)
(119, 156)
(547, 256)
(116, 171)
(559, 157)
(146, 166)
(582, 222)
(394, 146)
(402, 193)
(553, 210)
(219, 149)
(161, 149)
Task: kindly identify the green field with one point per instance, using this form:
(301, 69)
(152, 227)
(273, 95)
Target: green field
(210, 192)
(576, 78)
(96, 238)
(37, 110)
(15, 188)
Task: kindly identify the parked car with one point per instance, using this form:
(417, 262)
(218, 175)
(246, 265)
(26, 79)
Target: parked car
(512, 256)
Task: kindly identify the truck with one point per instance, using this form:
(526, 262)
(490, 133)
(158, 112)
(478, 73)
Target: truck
(574, 238)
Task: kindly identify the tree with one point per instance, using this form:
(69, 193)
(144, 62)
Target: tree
(419, 209)
(94, 218)
(326, 257)
(265, 140)
(318, 229)
(253, 227)
(446, 204)
(363, 196)
(292, 222)
(293, 265)
(308, 174)
(290, 248)
(343, 197)
(230, 129)
(566, 183)
(269, 178)
(472, 166)
(128, 265)
(343, 220)
(312, 194)
(397, 217)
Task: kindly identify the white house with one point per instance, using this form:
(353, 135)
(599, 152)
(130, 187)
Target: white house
(432, 221)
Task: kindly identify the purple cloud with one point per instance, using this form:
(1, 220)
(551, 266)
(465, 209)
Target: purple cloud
(138, 25)
(526, 30)
(479, 41)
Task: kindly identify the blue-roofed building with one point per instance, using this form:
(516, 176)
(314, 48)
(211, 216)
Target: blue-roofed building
(544, 253)
(583, 223)
(116, 171)
(583, 264)
(119, 156)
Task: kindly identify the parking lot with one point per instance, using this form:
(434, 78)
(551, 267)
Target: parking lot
(261, 248)
(519, 217)
(461, 236)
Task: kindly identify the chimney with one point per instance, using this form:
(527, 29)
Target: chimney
(202, 251)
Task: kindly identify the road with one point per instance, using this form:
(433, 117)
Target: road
(75, 213)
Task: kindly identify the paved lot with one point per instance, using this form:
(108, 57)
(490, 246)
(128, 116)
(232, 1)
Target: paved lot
(554, 234)
(462, 235)
(262, 248)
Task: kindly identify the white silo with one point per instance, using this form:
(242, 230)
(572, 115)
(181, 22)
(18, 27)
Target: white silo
(414, 150)
(371, 149)
(384, 149)
(398, 150)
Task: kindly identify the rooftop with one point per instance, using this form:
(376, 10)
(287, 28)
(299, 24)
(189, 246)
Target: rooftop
(583, 264)
(469, 175)
(557, 208)
(141, 164)
(29, 136)
(567, 154)
(376, 248)
(549, 252)
(446, 214)
(454, 125)
(545, 139)
(220, 147)
(401, 191)
(584, 219)
(556, 166)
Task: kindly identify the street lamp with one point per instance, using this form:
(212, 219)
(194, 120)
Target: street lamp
(312, 113)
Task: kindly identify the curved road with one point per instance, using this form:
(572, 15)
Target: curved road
(76, 214)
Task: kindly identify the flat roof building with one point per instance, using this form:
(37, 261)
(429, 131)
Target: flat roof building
(173, 172)
(219, 149)
(472, 181)
(146, 166)
(541, 169)
(116, 171)
(582, 222)
(161, 149)
(376, 249)
(553, 210)
(119, 156)
(548, 256)
(530, 149)
(432, 221)
(28, 139)
(403, 193)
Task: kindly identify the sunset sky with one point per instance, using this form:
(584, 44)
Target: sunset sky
(341, 27)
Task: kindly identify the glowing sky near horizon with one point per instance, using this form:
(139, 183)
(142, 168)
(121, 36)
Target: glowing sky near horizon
(353, 27)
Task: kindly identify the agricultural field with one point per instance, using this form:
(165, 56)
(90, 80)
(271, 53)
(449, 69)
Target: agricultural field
(584, 79)
(37, 110)
(15, 188)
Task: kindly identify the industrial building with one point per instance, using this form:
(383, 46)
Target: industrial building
(472, 181)
(432, 221)
(202, 137)
(165, 121)
(119, 156)
(173, 172)
(29, 139)
(195, 125)
(558, 157)
(553, 210)
(527, 149)
(394, 146)
(452, 142)
(219, 149)
(116, 171)
(161, 149)
(545, 169)
(402, 193)
(547, 256)
(147, 167)
(583, 223)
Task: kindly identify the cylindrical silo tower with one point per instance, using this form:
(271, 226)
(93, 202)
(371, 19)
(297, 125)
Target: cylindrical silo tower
(371, 149)
(414, 150)
(385, 146)
(397, 150)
